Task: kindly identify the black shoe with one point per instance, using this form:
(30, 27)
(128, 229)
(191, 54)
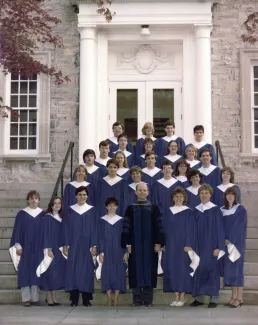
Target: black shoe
(136, 304)
(87, 304)
(196, 304)
(73, 304)
(57, 304)
(212, 305)
(148, 304)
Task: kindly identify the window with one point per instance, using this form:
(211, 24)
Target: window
(24, 101)
(255, 105)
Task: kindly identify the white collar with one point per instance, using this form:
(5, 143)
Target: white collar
(173, 158)
(199, 145)
(80, 209)
(32, 212)
(112, 181)
(56, 216)
(122, 171)
(181, 179)
(133, 185)
(126, 153)
(143, 156)
(152, 138)
(78, 184)
(207, 170)
(167, 182)
(192, 163)
(111, 220)
(151, 172)
(113, 139)
(193, 190)
(175, 209)
(168, 139)
(91, 169)
(203, 207)
(228, 212)
(223, 187)
(102, 161)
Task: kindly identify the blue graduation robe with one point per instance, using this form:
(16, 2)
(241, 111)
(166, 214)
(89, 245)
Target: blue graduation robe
(149, 176)
(174, 159)
(194, 164)
(114, 145)
(163, 145)
(95, 173)
(28, 233)
(193, 199)
(235, 223)
(161, 193)
(139, 147)
(113, 271)
(140, 161)
(142, 228)
(53, 278)
(101, 162)
(180, 231)
(211, 175)
(80, 234)
(183, 181)
(124, 173)
(203, 145)
(210, 236)
(129, 156)
(218, 196)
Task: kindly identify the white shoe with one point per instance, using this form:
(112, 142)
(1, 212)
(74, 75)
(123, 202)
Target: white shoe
(173, 303)
(179, 304)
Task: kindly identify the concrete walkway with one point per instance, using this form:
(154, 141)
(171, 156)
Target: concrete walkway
(246, 315)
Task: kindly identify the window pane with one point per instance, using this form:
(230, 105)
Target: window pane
(24, 116)
(256, 141)
(32, 129)
(163, 109)
(23, 129)
(14, 76)
(255, 127)
(23, 101)
(33, 116)
(14, 115)
(14, 101)
(33, 87)
(22, 143)
(14, 129)
(14, 143)
(14, 87)
(32, 101)
(33, 77)
(32, 143)
(127, 107)
(23, 87)
(23, 77)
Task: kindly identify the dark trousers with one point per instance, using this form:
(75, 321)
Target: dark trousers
(143, 294)
(75, 295)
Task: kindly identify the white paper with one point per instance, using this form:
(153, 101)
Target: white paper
(195, 261)
(160, 270)
(45, 263)
(233, 252)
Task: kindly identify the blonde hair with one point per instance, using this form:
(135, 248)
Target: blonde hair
(147, 125)
(191, 146)
(125, 164)
(81, 167)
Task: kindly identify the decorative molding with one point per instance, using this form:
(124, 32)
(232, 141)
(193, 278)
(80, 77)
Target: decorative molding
(44, 158)
(128, 1)
(145, 58)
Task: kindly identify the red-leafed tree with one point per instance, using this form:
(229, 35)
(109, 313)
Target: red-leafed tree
(250, 35)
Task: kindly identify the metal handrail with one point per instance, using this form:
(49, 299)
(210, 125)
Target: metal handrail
(60, 178)
(219, 153)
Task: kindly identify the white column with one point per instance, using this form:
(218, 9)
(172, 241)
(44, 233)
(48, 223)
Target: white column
(88, 90)
(203, 79)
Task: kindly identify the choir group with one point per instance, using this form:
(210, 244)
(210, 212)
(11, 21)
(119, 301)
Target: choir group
(161, 207)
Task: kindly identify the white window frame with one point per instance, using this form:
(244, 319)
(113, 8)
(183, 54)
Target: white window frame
(254, 64)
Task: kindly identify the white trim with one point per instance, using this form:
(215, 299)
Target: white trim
(177, 209)
(253, 107)
(111, 220)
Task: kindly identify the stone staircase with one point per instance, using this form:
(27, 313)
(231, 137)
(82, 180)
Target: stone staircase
(9, 294)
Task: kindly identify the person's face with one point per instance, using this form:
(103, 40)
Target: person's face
(136, 177)
(205, 158)
(142, 191)
(178, 199)
(170, 130)
(33, 202)
(148, 147)
(56, 206)
(230, 198)
(122, 142)
(89, 160)
(198, 135)
(167, 170)
(195, 180)
(117, 130)
(120, 159)
(112, 207)
(182, 169)
(226, 176)
(190, 154)
(112, 169)
(150, 161)
(149, 131)
(81, 197)
(104, 150)
(80, 175)
(173, 147)
(205, 196)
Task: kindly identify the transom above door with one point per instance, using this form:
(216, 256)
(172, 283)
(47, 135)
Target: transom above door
(135, 103)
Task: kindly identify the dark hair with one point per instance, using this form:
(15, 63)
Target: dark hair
(230, 170)
(51, 203)
(88, 152)
(193, 172)
(125, 164)
(112, 161)
(178, 146)
(169, 122)
(166, 163)
(111, 199)
(122, 135)
(230, 190)
(117, 124)
(150, 153)
(31, 194)
(205, 187)
(205, 150)
(81, 189)
(198, 128)
(179, 190)
(148, 140)
(135, 169)
(181, 162)
(104, 143)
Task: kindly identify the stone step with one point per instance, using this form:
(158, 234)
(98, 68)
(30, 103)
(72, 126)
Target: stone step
(4, 256)
(252, 244)
(252, 233)
(4, 243)
(20, 203)
(6, 233)
(252, 222)
(251, 282)
(251, 268)
(7, 268)
(8, 212)
(7, 222)
(251, 255)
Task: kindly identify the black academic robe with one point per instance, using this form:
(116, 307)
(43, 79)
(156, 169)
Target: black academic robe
(142, 229)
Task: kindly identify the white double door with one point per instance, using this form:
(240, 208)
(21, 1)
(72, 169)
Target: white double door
(135, 103)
